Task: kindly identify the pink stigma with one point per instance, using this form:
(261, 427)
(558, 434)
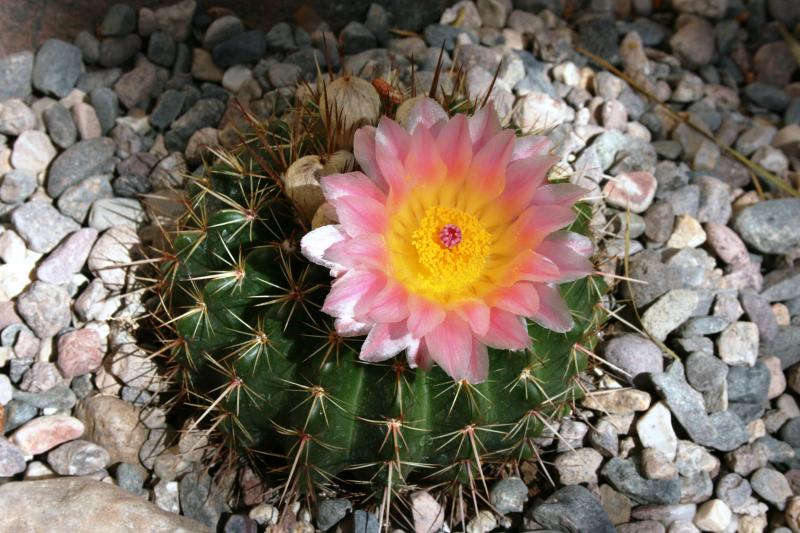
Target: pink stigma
(450, 236)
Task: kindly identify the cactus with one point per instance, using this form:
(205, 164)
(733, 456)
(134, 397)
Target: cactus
(278, 386)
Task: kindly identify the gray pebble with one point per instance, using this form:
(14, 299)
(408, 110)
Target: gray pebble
(60, 126)
(56, 67)
(41, 225)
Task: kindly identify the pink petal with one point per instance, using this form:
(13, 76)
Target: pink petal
(426, 112)
(507, 331)
(483, 125)
(424, 315)
(537, 222)
(423, 163)
(476, 313)
(563, 194)
(523, 179)
(350, 184)
(422, 357)
(365, 251)
(553, 312)
(533, 266)
(391, 147)
(571, 265)
(383, 342)
(451, 346)
(364, 152)
(488, 169)
(520, 299)
(455, 146)
(347, 327)
(580, 244)
(530, 145)
(390, 305)
(315, 243)
(359, 215)
(348, 293)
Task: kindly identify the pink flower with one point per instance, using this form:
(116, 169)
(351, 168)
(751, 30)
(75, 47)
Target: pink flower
(447, 241)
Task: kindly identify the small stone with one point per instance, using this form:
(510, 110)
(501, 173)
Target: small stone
(77, 458)
(221, 30)
(705, 372)
(79, 352)
(60, 126)
(617, 505)
(205, 113)
(428, 514)
(634, 354)
(687, 233)
(45, 433)
(106, 107)
(110, 212)
(174, 19)
(573, 509)
(777, 379)
(16, 117)
(692, 459)
(772, 486)
(792, 515)
(32, 151)
(655, 431)
(86, 121)
(747, 459)
(721, 430)
(509, 495)
(331, 512)
(578, 466)
(617, 401)
(166, 496)
(713, 515)
(738, 344)
(89, 45)
(632, 190)
(67, 258)
(693, 42)
(41, 226)
(669, 312)
(656, 465)
(56, 67)
(767, 96)
(45, 308)
(267, 515)
(135, 87)
(162, 49)
(76, 200)
(659, 220)
(284, 74)
(113, 424)
(117, 51)
(199, 143)
(537, 111)
(624, 477)
(247, 47)
(111, 253)
(79, 161)
(15, 76)
(17, 186)
(120, 19)
(726, 244)
(12, 461)
(204, 68)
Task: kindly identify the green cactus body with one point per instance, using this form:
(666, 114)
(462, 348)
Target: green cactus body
(254, 350)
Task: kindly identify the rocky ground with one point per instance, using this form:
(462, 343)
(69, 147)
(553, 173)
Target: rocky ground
(692, 425)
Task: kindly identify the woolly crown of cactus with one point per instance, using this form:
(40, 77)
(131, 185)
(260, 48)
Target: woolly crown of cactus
(447, 239)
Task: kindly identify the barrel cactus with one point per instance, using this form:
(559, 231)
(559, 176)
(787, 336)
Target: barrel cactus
(442, 237)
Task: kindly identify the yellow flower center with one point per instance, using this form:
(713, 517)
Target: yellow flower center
(452, 248)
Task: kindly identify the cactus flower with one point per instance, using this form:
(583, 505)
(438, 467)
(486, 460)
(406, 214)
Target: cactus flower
(449, 239)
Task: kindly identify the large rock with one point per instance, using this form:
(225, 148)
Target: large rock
(771, 226)
(573, 509)
(85, 505)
